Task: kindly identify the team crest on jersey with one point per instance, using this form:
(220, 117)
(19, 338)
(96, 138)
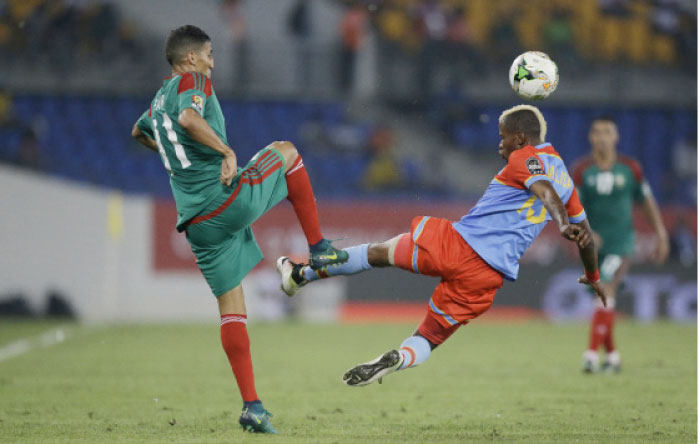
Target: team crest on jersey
(198, 103)
(534, 166)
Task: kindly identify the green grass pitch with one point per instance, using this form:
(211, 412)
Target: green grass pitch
(490, 382)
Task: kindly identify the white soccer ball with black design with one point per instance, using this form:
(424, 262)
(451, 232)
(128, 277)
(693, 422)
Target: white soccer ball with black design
(533, 75)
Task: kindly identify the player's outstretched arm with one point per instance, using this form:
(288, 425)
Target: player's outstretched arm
(201, 132)
(143, 139)
(653, 216)
(580, 233)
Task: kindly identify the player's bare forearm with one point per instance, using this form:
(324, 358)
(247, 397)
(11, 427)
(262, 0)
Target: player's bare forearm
(143, 139)
(201, 132)
(653, 216)
(589, 252)
(589, 256)
(545, 192)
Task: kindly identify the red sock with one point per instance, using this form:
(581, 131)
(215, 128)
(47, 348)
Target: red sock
(599, 329)
(610, 321)
(301, 195)
(234, 338)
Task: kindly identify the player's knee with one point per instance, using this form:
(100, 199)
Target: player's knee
(378, 255)
(285, 146)
(287, 149)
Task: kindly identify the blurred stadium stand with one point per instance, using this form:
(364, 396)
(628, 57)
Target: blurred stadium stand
(88, 139)
(78, 73)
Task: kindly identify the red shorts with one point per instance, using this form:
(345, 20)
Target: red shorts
(468, 285)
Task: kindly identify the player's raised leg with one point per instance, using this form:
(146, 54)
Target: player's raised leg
(301, 195)
(359, 258)
(234, 339)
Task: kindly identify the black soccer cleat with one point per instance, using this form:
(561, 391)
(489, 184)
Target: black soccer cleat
(374, 370)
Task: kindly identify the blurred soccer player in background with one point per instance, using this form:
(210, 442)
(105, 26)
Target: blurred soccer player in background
(609, 186)
(217, 201)
(473, 255)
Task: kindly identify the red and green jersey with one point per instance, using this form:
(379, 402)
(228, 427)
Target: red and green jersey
(194, 168)
(609, 197)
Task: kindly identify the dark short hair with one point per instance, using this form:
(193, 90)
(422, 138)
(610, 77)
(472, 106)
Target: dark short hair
(524, 121)
(604, 118)
(182, 40)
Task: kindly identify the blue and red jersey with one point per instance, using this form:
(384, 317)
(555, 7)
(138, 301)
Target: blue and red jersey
(508, 217)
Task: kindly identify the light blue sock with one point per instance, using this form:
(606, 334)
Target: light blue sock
(357, 262)
(420, 348)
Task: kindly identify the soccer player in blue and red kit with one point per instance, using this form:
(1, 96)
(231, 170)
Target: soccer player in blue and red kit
(217, 201)
(474, 254)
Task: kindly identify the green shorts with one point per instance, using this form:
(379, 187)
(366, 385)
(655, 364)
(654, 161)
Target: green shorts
(221, 236)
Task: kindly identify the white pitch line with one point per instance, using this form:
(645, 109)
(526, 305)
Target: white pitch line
(25, 345)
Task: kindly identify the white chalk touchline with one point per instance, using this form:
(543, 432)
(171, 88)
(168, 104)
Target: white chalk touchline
(25, 345)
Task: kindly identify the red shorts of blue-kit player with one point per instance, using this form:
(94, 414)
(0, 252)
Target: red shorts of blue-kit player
(468, 285)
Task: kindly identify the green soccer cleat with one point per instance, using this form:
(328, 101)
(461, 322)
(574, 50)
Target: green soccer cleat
(290, 272)
(326, 254)
(256, 419)
(374, 370)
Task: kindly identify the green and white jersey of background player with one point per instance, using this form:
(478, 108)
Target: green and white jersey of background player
(609, 197)
(194, 172)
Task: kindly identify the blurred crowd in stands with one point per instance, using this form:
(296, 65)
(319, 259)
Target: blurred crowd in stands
(454, 37)
(640, 31)
(458, 35)
(60, 31)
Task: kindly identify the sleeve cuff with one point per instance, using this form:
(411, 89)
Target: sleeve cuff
(593, 276)
(580, 217)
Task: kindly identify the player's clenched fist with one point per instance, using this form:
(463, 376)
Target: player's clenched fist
(576, 234)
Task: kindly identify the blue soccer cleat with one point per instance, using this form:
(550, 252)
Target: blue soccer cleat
(324, 254)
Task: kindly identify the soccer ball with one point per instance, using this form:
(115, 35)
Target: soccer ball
(533, 75)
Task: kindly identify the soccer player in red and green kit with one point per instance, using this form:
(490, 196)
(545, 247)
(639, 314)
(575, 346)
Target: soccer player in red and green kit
(609, 186)
(217, 201)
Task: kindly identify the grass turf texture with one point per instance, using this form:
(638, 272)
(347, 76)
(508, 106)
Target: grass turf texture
(489, 382)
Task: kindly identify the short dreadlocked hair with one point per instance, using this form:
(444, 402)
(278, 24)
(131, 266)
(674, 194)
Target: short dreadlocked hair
(526, 119)
(183, 40)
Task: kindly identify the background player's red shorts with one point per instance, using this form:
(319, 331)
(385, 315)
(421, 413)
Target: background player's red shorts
(468, 285)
